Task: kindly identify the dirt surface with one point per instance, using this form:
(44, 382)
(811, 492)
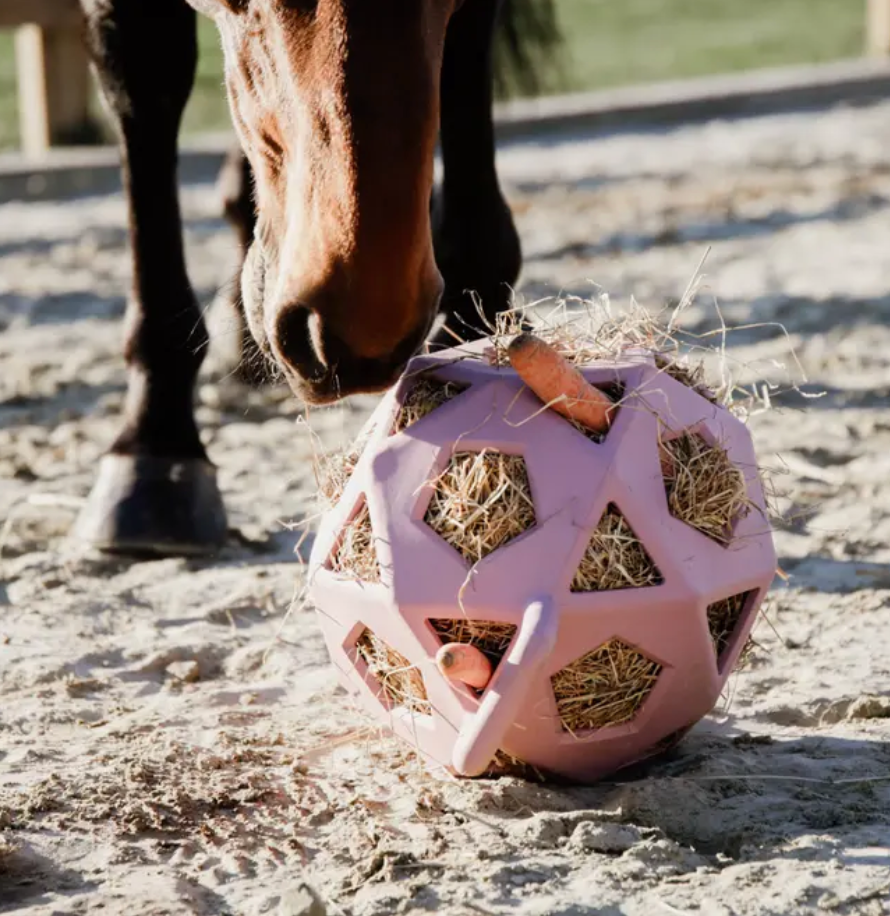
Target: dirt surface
(171, 743)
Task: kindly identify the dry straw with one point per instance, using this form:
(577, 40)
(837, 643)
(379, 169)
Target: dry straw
(423, 398)
(604, 687)
(723, 618)
(356, 555)
(614, 558)
(704, 488)
(400, 681)
(481, 501)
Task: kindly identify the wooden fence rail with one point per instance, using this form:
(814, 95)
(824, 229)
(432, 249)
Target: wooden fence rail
(52, 72)
(54, 82)
(877, 28)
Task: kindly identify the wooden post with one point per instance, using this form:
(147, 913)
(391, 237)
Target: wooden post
(877, 28)
(53, 86)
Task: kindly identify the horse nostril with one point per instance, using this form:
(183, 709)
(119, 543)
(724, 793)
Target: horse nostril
(292, 341)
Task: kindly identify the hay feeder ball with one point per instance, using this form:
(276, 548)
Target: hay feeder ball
(496, 582)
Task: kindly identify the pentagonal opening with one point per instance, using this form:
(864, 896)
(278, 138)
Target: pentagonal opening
(724, 619)
(400, 683)
(355, 554)
(615, 392)
(481, 501)
(605, 687)
(704, 489)
(683, 370)
(423, 397)
(488, 636)
(615, 558)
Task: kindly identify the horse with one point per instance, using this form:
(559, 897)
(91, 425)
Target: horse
(349, 254)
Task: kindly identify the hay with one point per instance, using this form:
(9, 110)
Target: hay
(356, 555)
(481, 501)
(704, 488)
(488, 636)
(334, 471)
(604, 687)
(400, 681)
(688, 373)
(614, 558)
(723, 618)
(423, 398)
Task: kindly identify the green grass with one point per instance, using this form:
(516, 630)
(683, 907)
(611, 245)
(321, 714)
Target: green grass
(608, 43)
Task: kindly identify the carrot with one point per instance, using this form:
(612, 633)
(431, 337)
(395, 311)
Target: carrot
(460, 661)
(559, 384)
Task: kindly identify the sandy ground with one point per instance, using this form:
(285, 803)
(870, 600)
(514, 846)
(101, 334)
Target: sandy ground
(171, 743)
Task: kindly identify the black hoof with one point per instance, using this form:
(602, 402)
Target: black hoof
(143, 505)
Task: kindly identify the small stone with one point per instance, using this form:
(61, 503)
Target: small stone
(300, 901)
(609, 839)
(867, 707)
(188, 671)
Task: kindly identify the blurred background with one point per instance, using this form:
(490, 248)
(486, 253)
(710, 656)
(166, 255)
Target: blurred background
(607, 43)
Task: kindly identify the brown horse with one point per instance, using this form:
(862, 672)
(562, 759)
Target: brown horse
(338, 105)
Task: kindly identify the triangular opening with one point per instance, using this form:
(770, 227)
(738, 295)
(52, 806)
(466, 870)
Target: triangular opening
(401, 683)
(615, 392)
(724, 617)
(425, 395)
(489, 636)
(355, 555)
(615, 558)
(604, 687)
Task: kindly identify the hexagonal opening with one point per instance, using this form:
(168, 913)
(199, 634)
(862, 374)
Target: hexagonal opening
(355, 554)
(400, 683)
(489, 636)
(425, 395)
(615, 558)
(605, 687)
(724, 619)
(480, 502)
(704, 489)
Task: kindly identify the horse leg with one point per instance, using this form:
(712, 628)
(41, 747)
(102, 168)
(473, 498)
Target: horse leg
(156, 490)
(236, 188)
(476, 243)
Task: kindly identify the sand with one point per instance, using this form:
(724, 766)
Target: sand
(172, 743)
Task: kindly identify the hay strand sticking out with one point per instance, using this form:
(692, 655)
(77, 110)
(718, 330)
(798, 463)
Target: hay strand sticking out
(705, 489)
(401, 682)
(356, 553)
(723, 618)
(687, 373)
(481, 501)
(488, 636)
(604, 687)
(334, 471)
(425, 396)
(614, 558)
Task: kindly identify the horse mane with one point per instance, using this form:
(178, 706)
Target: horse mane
(526, 46)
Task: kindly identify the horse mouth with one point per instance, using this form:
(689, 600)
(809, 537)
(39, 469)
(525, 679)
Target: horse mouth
(318, 384)
(333, 384)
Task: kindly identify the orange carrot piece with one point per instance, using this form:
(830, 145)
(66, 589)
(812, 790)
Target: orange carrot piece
(559, 384)
(460, 661)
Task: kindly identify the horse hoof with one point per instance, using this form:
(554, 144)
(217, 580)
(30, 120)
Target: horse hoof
(158, 506)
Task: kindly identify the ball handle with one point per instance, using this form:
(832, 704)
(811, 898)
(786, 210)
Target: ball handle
(483, 732)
